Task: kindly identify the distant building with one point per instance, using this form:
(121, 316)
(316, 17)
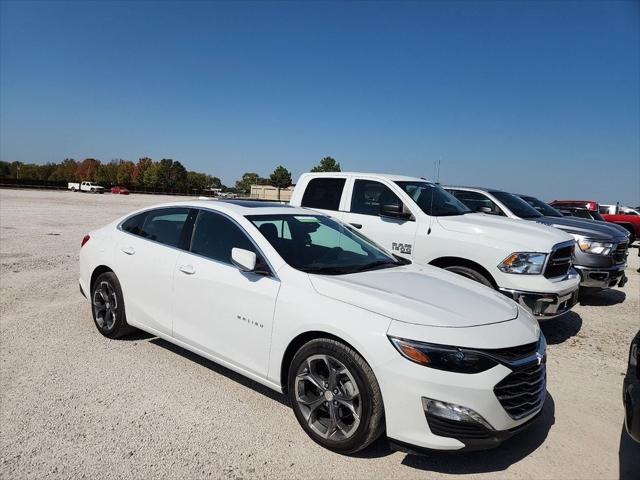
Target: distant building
(267, 192)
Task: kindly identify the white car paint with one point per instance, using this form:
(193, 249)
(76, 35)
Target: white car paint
(246, 321)
(483, 239)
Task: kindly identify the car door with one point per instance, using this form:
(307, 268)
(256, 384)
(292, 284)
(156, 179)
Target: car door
(219, 309)
(146, 256)
(395, 234)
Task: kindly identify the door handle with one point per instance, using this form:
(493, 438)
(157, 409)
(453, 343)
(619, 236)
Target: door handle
(188, 269)
(356, 225)
(129, 250)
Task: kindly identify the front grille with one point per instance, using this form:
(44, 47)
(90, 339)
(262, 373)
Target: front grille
(523, 390)
(513, 353)
(453, 429)
(560, 262)
(620, 253)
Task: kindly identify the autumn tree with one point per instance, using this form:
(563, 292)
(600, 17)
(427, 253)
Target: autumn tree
(137, 176)
(87, 169)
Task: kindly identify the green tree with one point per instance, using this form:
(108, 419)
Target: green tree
(124, 172)
(280, 178)
(327, 164)
(177, 176)
(152, 175)
(5, 169)
(66, 171)
(244, 184)
(197, 181)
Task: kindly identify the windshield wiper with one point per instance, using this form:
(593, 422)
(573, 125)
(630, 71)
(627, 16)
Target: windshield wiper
(327, 270)
(378, 264)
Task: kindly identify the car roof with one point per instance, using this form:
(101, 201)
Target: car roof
(241, 207)
(388, 176)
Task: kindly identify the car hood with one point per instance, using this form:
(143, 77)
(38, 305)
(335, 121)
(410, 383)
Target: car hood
(520, 235)
(419, 294)
(587, 228)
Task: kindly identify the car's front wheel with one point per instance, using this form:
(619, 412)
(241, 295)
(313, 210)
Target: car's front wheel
(335, 396)
(107, 306)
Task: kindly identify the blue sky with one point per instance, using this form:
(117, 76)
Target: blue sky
(535, 97)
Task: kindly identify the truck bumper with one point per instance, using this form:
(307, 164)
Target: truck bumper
(601, 277)
(544, 305)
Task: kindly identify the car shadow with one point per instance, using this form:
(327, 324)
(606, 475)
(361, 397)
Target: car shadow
(498, 459)
(560, 329)
(628, 456)
(602, 298)
(136, 335)
(236, 377)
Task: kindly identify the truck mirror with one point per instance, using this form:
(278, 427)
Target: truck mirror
(394, 210)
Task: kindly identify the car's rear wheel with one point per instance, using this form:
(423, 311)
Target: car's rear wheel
(470, 273)
(107, 306)
(335, 396)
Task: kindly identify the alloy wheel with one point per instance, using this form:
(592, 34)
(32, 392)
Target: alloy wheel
(105, 305)
(328, 397)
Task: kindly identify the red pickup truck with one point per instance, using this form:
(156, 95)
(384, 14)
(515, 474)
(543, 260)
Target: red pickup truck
(628, 221)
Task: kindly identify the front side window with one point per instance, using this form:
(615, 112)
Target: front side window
(318, 244)
(433, 199)
(214, 236)
(323, 193)
(164, 225)
(368, 195)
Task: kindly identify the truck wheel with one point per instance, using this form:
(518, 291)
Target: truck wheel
(93, 190)
(107, 306)
(73, 189)
(335, 396)
(470, 273)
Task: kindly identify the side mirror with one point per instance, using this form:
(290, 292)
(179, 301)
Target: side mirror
(394, 210)
(484, 210)
(243, 259)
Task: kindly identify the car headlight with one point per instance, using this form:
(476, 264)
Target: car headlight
(525, 263)
(592, 246)
(443, 357)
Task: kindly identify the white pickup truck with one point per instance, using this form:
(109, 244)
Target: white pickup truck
(417, 219)
(85, 187)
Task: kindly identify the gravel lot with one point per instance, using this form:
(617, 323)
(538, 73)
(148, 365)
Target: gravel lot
(74, 404)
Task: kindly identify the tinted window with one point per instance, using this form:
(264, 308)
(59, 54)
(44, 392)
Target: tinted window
(134, 224)
(323, 193)
(519, 207)
(433, 199)
(475, 201)
(540, 206)
(164, 225)
(215, 235)
(368, 195)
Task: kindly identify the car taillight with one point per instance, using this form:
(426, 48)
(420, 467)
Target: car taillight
(85, 239)
(591, 206)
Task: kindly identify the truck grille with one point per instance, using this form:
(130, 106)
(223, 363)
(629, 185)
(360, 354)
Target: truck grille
(620, 253)
(523, 391)
(560, 262)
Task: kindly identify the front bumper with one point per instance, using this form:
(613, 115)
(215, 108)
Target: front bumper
(601, 277)
(544, 305)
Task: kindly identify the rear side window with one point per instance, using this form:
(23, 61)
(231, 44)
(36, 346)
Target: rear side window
(165, 225)
(214, 237)
(134, 224)
(324, 193)
(368, 195)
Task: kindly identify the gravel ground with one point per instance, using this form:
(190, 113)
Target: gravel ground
(76, 405)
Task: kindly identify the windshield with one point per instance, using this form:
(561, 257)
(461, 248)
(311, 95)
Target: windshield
(519, 207)
(319, 244)
(433, 199)
(541, 207)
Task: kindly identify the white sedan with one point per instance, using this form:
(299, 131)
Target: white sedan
(361, 341)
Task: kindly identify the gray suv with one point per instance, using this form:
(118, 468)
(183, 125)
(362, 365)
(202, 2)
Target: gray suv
(601, 255)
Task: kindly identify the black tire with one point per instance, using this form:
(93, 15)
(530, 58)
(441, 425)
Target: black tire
(369, 399)
(471, 274)
(110, 320)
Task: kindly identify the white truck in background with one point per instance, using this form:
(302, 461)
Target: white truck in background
(85, 187)
(417, 219)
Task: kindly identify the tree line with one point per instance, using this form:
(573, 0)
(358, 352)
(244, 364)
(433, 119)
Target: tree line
(165, 174)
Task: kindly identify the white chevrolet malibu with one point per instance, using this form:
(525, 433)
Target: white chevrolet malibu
(362, 342)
